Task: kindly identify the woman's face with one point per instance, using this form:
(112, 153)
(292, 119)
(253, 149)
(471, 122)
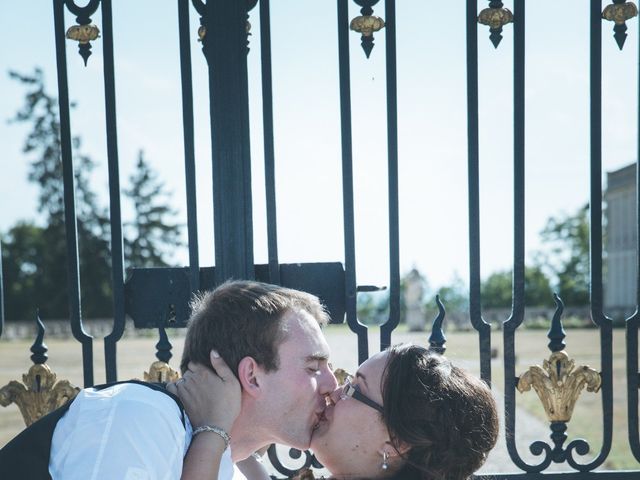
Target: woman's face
(351, 436)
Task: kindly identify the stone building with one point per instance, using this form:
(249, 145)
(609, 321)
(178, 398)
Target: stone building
(620, 261)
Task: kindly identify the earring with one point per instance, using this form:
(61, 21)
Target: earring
(385, 457)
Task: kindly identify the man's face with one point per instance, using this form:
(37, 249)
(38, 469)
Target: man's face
(294, 395)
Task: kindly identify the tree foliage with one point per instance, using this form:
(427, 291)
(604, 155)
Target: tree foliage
(35, 257)
(567, 255)
(497, 289)
(152, 230)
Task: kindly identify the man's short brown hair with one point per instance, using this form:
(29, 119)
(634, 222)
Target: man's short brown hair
(244, 318)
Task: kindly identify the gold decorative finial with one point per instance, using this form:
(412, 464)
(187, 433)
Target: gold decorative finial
(161, 372)
(559, 384)
(202, 32)
(495, 17)
(83, 33)
(619, 13)
(39, 394)
(367, 25)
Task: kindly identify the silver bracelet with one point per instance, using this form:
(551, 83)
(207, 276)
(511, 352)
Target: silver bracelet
(217, 430)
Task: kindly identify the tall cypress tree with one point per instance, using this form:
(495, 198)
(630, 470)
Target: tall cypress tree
(154, 233)
(35, 257)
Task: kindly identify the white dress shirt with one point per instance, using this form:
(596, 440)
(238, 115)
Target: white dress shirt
(128, 432)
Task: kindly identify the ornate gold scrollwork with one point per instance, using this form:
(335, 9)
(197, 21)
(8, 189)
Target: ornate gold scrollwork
(83, 33)
(367, 25)
(161, 372)
(341, 375)
(495, 17)
(619, 13)
(559, 384)
(39, 394)
(202, 31)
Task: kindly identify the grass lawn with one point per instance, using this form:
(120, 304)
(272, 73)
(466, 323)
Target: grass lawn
(136, 354)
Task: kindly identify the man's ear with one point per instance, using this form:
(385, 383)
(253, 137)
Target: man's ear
(249, 375)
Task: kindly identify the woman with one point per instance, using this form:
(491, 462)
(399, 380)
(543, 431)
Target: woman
(407, 414)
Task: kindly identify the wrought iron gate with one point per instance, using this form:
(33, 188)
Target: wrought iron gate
(223, 32)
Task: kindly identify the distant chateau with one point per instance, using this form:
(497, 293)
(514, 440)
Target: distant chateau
(621, 241)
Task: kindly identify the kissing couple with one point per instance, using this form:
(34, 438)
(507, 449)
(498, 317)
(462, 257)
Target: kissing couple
(256, 371)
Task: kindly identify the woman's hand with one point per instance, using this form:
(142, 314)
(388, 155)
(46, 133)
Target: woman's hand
(209, 398)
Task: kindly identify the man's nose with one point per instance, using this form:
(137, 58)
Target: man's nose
(328, 382)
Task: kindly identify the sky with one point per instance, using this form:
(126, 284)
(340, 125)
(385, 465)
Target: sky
(431, 115)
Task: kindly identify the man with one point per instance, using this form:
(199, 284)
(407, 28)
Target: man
(268, 335)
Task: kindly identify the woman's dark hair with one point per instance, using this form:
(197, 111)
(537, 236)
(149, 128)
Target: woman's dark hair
(445, 415)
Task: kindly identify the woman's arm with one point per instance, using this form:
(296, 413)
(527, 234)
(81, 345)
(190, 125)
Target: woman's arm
(253, 469)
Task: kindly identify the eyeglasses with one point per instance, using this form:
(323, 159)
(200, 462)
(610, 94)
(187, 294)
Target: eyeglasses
(353, 391)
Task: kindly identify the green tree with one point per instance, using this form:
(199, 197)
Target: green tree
(153, 233)
(566, 257)
(34, 257)
(47, 289)
(497, 289)
(21, 257)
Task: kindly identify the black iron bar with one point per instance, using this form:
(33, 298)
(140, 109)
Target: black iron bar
(347, 183)
(632, 323)
(597, 313)
(517, 310)
(475, 308)
(392, 146)
(269, 154)
(189, 148)
(71, 228)
(1, 294)
(115, 215)
(225, 48)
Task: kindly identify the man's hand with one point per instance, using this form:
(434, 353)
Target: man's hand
(209, 398)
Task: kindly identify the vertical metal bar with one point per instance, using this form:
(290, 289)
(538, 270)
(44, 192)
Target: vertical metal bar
(225, 48)
(1, 294)
(392, 145)
(117, 253)
(71, 228)
(189, 149)
(347, 182)
(517, 309)
(597, 313)
(269, 155)
(632, 322)
(475, 312)
(596, 162)
(632, 382)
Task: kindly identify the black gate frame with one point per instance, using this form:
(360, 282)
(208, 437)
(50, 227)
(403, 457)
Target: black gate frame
(157, 298)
